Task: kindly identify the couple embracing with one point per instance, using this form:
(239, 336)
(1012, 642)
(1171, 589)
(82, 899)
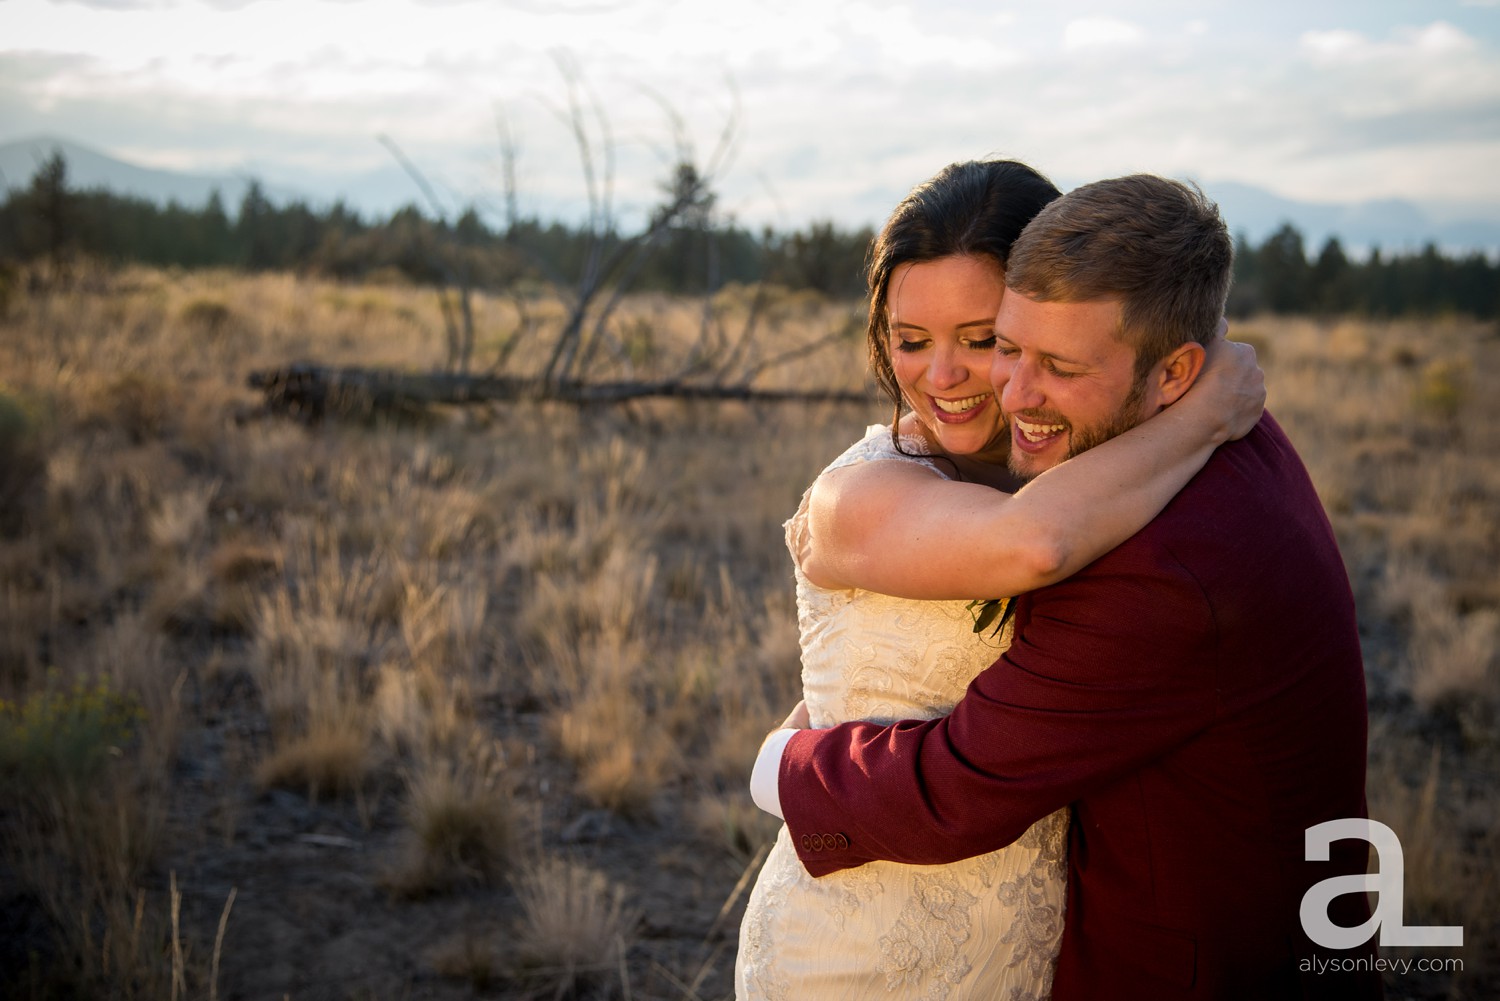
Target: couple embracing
(1106, 797)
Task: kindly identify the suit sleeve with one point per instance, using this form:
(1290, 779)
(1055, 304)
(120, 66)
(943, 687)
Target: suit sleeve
(1110, 669)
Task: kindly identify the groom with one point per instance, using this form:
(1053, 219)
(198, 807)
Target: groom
(1196, 696)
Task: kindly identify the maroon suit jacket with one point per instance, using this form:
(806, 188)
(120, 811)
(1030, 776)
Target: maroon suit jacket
(1196, 696)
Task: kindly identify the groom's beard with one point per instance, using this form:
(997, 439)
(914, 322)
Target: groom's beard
(1081, 439)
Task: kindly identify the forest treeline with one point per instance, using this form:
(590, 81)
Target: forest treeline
(697, 252)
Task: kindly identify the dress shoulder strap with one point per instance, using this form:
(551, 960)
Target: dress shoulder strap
(877, 444)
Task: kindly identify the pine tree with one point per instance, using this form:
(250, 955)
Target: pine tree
(255, 229)
(54, 211)
(1331, 291)
(1283, 271)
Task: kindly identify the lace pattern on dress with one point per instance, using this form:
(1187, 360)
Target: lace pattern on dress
(986, 927)
(1036, 932)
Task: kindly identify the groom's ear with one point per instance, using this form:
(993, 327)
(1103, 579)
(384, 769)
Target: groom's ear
(1177, 372)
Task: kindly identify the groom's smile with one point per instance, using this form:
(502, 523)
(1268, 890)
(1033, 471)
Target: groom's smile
(1038, 434)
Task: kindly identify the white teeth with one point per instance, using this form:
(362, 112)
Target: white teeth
(1038, 432)
(959, 406)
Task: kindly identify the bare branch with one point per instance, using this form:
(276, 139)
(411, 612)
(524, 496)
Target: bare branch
(313, 392)
(525, 324)
(812, 347)
(418, 178)
(682, 144)
(747, 333)
(459, 329)
(723, 153)
(573, 120)
(563, 360)
(509, 154)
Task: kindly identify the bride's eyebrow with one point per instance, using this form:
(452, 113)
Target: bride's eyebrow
(987, 324)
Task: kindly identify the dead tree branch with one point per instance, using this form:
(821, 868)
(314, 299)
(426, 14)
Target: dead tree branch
(312, 392)
(590, 345)
(455, 281)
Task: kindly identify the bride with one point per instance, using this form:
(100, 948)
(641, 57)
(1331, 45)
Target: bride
(890, 542)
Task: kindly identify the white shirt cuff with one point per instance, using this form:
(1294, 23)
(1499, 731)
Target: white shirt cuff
(765, 777)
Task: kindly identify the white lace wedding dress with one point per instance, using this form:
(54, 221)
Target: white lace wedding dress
(984, 928)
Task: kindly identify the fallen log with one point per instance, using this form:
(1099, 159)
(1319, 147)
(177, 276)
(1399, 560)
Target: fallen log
(312, 392)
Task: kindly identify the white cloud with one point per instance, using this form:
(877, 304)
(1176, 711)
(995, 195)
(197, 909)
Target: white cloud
(845, 103)
(1342, 45)
(118, 4)
(1099, 33)
(1336, 44)
(1435, 71)
(1440, 37)
(905, 36)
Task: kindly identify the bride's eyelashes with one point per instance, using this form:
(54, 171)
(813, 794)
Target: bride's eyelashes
(987, 344)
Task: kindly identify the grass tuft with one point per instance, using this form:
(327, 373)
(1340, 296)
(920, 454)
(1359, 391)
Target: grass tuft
(463, 824)
(334, 758)
(574, 929)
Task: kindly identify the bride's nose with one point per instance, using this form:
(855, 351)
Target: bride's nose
(945, 370)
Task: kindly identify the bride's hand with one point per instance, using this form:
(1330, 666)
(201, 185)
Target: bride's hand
(1232, 383)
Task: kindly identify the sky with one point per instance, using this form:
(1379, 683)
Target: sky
(832, 109)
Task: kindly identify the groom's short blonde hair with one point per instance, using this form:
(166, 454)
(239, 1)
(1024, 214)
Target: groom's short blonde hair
(1156, 245)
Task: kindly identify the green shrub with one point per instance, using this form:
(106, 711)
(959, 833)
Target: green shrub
(210, 317)
(1443, 388)
(10, 285)
(64, 737)
(141, 406)
(14, 423)
(22, 463)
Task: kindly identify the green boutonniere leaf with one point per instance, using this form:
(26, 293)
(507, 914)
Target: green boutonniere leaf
(989, 612)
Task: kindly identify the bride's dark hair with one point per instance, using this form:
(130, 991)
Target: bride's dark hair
(975, 209)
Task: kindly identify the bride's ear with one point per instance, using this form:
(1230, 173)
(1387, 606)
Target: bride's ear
(1177, 372)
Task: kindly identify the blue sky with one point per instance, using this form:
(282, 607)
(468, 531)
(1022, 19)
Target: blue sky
(842, 106)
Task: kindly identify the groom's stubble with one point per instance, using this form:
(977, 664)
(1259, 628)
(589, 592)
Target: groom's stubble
(1081, 439)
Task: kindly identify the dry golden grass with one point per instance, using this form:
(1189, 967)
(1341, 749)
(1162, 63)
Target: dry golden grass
(574, 930)
(464, 823)
(334, 757)
(364, 613)
(468, 956)
(732, 821)
(623, 760)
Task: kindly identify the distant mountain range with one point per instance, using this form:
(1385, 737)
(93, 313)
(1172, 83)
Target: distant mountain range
(88, 168)
(1392, 224)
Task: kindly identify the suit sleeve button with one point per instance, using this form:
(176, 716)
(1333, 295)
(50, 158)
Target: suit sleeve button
(840, 842)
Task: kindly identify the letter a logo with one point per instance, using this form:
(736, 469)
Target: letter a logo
(1389, 883)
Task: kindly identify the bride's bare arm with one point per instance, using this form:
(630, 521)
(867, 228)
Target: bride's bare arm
(900, 529)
